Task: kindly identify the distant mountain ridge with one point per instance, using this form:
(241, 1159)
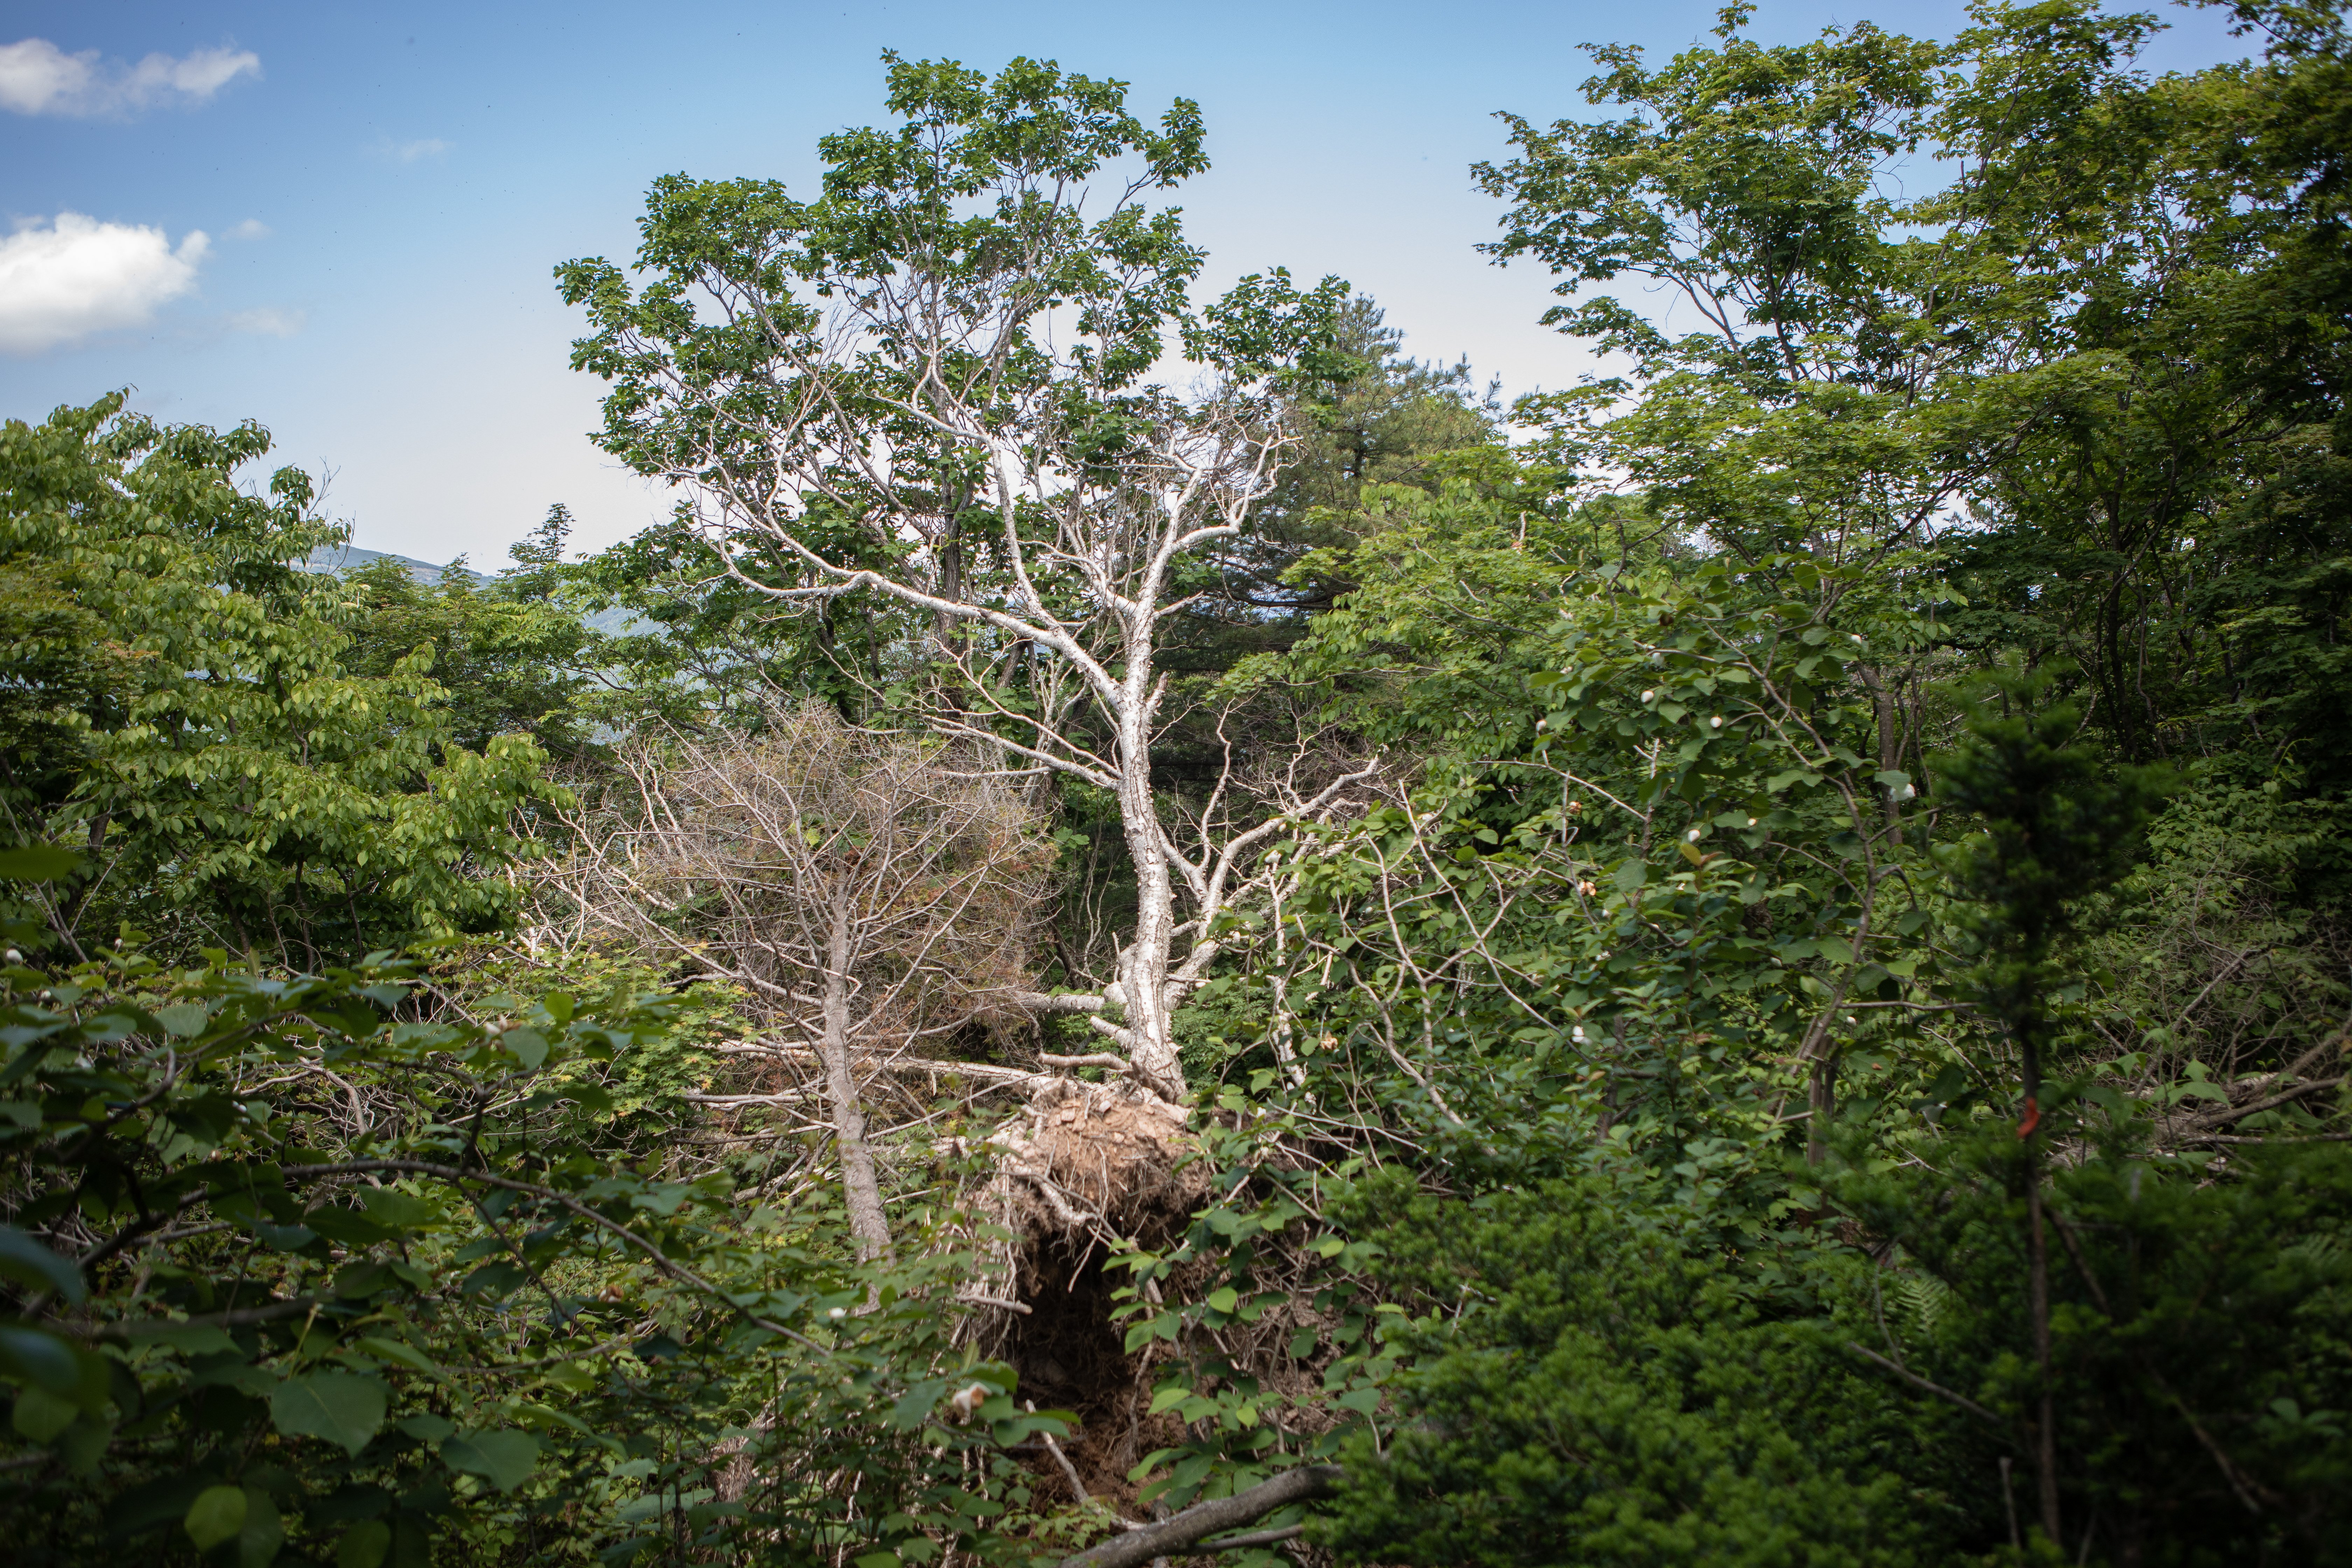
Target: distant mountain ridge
(616, 622)
(352, 558)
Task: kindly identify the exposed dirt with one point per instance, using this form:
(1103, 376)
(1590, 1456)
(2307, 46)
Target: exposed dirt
(1085, 1165)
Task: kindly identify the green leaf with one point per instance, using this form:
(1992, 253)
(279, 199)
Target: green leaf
(283, 1238)
(216, 1515)
(263, 1534)
(400, 1210)
(503, 1458)
(183, 1018)
(41, 1359)
(27, 1262)
(188, 1339)
(357, 1281)
(496, 1281)
(84, 1443)
(38, 863)
(1222, 1298)
(427, 1427)
(40, 1416)
(341, 1407)
(528, 1046)
(364, 1545)
(407, 1355)
(343, 1226)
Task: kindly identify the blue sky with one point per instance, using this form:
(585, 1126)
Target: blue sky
(382, 193)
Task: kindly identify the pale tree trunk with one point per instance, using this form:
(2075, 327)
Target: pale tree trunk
(861, 1192)
(1143, 980)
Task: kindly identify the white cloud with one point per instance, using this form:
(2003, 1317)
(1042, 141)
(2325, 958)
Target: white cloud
(251, 228)
(268, 322)
(76, 275)
(410, 151)
(39, 78)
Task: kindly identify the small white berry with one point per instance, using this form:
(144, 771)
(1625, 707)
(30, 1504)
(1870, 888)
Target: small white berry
(838, 1313)
(1716, 723)
(1694, 835)
(1646, 695)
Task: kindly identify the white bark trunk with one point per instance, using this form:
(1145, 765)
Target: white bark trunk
(861, 1190)
(1151, 1025)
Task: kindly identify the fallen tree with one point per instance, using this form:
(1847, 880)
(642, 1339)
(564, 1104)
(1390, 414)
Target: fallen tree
(1188, 1529)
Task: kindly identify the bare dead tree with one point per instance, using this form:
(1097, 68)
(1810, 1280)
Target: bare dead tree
(864, 893)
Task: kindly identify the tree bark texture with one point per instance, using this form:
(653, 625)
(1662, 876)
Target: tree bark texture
(861, 1190)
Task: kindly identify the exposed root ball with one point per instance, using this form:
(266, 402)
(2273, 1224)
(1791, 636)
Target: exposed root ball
(1096, 1157)
(1083, 1166)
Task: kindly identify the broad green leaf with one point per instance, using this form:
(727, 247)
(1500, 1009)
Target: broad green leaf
(358, 1282)
(188, 1339)
(341, 1407)
(528, 1046)
(503, 1458)
(183, 1018)
(341, 1224)
(216, 1515)
(407, 1355)
(40, 1359)
(363, 1545)
(398, 1209)
(496, 1281)
(40, 1416)
(85, 1442)
(262, 1534)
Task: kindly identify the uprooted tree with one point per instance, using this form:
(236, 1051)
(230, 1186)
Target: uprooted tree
(924, 395)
